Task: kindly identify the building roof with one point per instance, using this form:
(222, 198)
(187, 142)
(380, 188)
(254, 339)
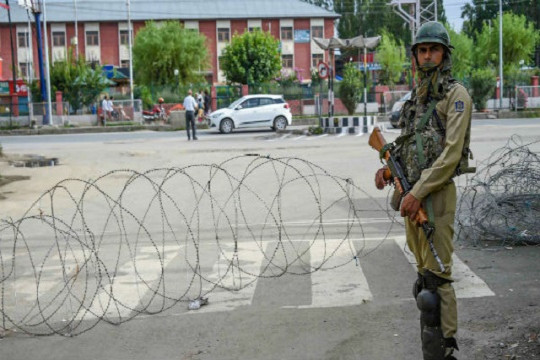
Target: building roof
(116, 10)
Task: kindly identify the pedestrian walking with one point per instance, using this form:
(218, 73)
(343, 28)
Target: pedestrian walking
(190, 105)
(433, 148)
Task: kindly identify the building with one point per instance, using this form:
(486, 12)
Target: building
(99, 29)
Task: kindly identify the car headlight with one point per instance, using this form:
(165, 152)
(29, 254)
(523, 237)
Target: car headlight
(215, 115)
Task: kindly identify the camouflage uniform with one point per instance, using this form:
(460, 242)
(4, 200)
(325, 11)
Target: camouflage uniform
(438, 113)
(437, 182)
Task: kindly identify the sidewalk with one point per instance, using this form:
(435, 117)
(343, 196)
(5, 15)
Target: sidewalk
(311, 121)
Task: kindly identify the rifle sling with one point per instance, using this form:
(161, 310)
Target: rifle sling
(418, 133)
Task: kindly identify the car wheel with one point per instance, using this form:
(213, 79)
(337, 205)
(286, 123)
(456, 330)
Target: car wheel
(280, 123)
(226, 126)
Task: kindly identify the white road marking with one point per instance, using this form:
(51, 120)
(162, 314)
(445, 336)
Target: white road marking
(129, 286)
(334, 287)
(299, 137)
(25, 286)
(317, 137)
(242, 275)
(466, 285)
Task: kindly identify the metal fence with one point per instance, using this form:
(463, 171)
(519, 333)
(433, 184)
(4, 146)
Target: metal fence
(526, 97)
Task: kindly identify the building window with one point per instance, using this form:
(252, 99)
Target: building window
(223, 34)
(252, 29)
(124, 63)
(124, 37)
(59, 38)
(23, 68)
(220, 61)
(316, 59)
(92, 38)
(287, 61)
(317, 31)
(22, 39)
(286, 33)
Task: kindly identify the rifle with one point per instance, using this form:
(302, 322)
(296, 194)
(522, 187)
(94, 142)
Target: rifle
(395, 173)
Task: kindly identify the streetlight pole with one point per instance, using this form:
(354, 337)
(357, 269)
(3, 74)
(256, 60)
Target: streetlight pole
(13, 69)
(130, 40)
(501, 54)
(75, 41)
(36, 9)
(48, 68)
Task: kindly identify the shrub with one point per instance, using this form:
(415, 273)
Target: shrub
(350, 88)
(483, 84)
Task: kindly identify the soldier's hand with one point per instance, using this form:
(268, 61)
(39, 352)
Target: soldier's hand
(379, 178)
(410, 206)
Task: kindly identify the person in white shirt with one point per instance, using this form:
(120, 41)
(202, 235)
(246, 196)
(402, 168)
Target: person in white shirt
(110, 107)
(105, 114)
(190, 105)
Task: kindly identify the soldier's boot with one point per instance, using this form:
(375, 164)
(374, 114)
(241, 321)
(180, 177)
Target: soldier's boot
(434, 345)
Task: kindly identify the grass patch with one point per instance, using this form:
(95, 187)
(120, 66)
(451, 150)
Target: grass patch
(123, 123)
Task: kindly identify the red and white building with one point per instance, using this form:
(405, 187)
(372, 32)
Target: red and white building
(102, 29)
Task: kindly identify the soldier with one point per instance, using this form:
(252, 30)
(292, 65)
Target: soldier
(433, 148)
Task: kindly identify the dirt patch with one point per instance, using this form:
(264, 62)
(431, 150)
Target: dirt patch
(525, 345)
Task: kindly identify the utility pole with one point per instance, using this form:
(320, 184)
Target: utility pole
(48, 68)
(501, 55)
(30, 70)
(130, 41)
(75, 41)
(36, 9)
(13, 69)
(417, 15)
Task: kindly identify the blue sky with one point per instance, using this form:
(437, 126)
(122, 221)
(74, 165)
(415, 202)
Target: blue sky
(453, 12)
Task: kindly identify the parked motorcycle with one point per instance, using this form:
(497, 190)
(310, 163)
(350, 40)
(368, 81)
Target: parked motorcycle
(157, 113)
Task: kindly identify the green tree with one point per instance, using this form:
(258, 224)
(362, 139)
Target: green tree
(519, 41)
(480, 11)
(159, 50)
(80, 83)
(327, 4)
(462, 55)
(348, 25)
(350, 88)
(252, 57)
(391, 56)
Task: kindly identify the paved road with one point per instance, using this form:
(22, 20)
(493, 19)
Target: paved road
(348, 309)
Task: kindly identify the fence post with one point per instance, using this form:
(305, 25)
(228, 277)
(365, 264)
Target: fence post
(534, 83)
(213, 97)
(498, 89)
(59, 110)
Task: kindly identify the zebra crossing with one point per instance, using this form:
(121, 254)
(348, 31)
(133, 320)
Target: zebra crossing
(235, 276)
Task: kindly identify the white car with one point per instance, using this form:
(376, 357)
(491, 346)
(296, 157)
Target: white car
(396, 109)
(253, 111)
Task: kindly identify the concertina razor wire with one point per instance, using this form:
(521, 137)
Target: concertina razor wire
(85, 249)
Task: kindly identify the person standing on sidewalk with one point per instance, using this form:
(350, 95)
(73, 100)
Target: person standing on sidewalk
(433, 148)
(190, 105)
(105, 110)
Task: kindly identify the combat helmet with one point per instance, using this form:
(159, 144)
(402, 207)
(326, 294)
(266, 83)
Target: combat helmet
(432, 32)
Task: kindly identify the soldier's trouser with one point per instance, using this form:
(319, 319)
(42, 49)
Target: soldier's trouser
(444, 208)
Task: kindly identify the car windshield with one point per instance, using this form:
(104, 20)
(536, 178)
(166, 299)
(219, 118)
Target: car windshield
(235, 104)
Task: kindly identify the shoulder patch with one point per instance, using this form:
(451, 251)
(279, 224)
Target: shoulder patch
(460, 106)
